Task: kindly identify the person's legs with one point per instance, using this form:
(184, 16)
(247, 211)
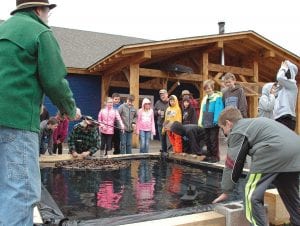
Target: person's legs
(108, 142)
(288, 188)
(255, 188)
(128, 142)
(177, 144)
(162, 138)
(116, 141)
(142, 141)
(103, 144)
(214, 143)
(123, 143)
(60, 148)
(55, 146)
(147, 141)
(208, 142)
(20, 181)
(43, 147)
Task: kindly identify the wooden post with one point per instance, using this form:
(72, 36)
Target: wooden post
(134, 75)
(104, 88)
(204, 73)
(253, 100)
(253, 106)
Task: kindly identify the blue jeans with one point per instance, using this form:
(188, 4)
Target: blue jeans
(20, 180)
(126, 141)
(162, 138)
(144, 141)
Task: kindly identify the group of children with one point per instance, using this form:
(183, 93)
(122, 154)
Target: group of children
(180, 121)
(118, 121)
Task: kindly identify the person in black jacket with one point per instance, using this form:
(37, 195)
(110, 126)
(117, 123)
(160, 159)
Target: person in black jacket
(192, 133)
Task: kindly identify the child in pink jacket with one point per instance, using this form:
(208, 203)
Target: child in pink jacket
(107, 117)
(145, 125)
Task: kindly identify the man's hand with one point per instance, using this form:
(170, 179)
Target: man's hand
(221, 198)
(74, 154)
(77, 115)
(85, 154)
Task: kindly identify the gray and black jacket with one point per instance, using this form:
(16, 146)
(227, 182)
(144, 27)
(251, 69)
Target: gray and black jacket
(273, 148)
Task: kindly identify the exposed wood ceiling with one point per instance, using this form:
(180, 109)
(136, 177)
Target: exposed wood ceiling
(240, 49)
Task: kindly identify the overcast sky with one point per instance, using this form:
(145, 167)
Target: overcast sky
(278, 21)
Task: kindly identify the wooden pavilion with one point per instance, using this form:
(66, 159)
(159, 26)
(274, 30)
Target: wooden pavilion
(251, 57)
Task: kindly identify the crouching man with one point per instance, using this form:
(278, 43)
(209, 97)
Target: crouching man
(275, 158)
(191, 132)
(46, 135)
(83, 140)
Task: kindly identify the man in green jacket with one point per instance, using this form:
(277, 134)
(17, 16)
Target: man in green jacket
(30, 66)
(275, 158)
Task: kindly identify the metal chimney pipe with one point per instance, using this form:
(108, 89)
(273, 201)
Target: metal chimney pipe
(221, 27)
(222, 31)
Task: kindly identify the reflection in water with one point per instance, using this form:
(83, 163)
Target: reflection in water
(107, 198)
(145, 186)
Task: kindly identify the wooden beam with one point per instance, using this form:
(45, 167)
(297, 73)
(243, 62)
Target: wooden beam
(255, 71)
(135, 59)
(82, 71)
(232, 69)
(105, 84)
(134, 88)
(267, 54)
(173, 87)
(182, 43)
(154, 73)
(145, 85)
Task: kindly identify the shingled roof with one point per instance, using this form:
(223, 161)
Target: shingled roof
(81, 49)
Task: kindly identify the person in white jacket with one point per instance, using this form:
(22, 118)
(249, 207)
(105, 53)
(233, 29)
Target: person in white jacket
(267, 100)
(285, 104)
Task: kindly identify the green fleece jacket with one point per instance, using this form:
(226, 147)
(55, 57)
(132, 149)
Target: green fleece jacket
(30, 66)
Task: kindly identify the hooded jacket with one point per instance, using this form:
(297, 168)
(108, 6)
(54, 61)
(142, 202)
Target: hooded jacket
(61, 132)
(108, 116)
(272, 146)
(266, 101)
(285, 103)
(145, 118)
(236, 97)
(215, 105)
(189, 114)
(31, 65)
(128, 115)
(173, 113)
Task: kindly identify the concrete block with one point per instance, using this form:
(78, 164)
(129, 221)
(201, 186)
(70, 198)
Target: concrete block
(277, 212)
(210, 218)
(234, 214)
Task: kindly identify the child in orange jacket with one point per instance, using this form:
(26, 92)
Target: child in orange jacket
(173, 113)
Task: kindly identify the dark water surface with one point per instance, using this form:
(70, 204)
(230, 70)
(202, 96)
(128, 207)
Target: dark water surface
(143, 187)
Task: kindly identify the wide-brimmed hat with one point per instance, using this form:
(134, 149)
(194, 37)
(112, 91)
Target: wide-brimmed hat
(26, 4)
(185, 92)
(162, 91)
